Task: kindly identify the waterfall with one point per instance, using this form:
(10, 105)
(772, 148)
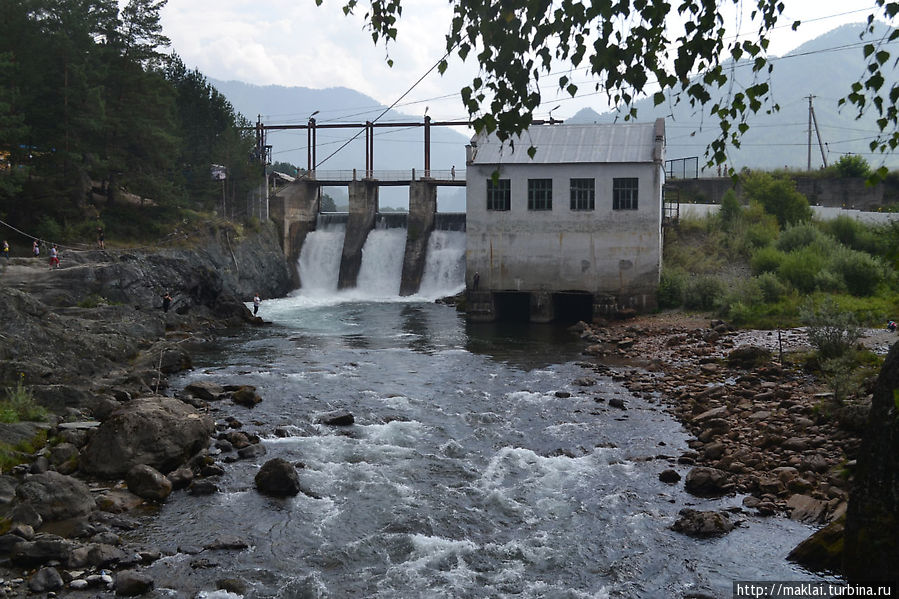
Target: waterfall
(382, 263)
(319, 263)
(445, 266)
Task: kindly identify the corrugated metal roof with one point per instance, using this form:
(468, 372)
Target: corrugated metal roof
(566, 144)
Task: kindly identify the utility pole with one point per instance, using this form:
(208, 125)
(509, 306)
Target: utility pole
(813, 119)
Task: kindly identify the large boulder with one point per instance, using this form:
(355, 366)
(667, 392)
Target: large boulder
(707, 482)
(278, 477)
(55, 496)
(871, 548)
(696, 523)
(161, 432)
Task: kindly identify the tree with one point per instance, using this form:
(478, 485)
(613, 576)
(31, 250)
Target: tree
(852, 165)
(779, 196)
(633, 48)
(328, 204)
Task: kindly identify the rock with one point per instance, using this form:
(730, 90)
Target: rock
(584, 382)
(694, 523)
(336, 418)
(246, 396)
(55, 496)
(161, 432)
(129, 583)
(25, 513)
(45, 579)
(617, 402)
(148, 483)
(202, 486)
(562, 394)
(232, 585)
(251, 452)
(823, 551)
(117, 501)
(205, 390)
(807, 509)
(669, 476)
(181, 477)
(279, 478)
(226, 543)
(748, 357)
(719, 412)
(28, 554)
(707, 482)
(95, 554)
(713, 451)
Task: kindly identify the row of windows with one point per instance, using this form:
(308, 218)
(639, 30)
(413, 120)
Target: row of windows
(583, 194)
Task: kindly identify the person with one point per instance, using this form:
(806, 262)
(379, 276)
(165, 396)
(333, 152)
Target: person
(6, 249)
(891, 326)
(453, 172)
(475, 281)
(100, 243)
(166, 301)
(35, 249)
(54, 256)
(256, 302)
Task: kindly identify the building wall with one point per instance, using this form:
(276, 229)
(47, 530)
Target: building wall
(604, 251)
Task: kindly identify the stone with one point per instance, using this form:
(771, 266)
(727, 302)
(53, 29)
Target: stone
(205, 390)
(232, 585)
(278, 477)
(161, 432)
(44, 580)
(251, 452)
(617, 402)
(823, 551)
(669, 476)
(246, 396)
(336, 418)
(700, 524)
(129, 583)
(148, 483)
(584, 382)
(117, 501)
(181, 478)
(707, 482)
(202, 486)
(804, 508)
(226, 543)
(55, 496)
(95, 554)
(42, 550)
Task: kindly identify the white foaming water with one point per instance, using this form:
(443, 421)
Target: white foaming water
(319, 263)
(445, 267)
(382, 263)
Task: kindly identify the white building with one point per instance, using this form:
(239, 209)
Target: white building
(573, 232)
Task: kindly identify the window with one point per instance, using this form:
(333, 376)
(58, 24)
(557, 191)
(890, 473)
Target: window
(499, 194)
(540, 194)
(583, 192)
(624, 193)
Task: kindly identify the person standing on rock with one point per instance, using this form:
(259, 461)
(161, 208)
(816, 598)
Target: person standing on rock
(166, 301)
(54, 256)
(6, 250)
(101, 245)
(256, 302)
(36, 249)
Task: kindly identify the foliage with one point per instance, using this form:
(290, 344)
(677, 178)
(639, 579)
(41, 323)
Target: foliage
(704, 292)
(766, 260)
(731, 210)
(801, 267)
(778, 195)
(20, 405)
(831, 331)
(860, 271)
(672, 283)
(328, 204)
(630, 48)
(97, 117)
(798, 236)
(771, 287)
(851, 165)
(13, 455)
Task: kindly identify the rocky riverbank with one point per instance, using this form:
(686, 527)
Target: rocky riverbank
(762, 427)
(92, 344)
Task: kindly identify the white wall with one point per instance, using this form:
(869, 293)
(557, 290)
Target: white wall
(603, 251)
(819, 212)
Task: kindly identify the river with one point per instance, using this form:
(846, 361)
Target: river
(465, 474)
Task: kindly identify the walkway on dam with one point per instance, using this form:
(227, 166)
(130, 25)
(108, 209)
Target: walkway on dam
(444, 178)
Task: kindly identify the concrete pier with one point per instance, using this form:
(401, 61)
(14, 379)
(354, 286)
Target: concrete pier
(295, 210)
(363, 209)
(420, 224)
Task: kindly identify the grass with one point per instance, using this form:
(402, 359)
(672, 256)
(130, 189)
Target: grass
(19, 405)
(20, 453)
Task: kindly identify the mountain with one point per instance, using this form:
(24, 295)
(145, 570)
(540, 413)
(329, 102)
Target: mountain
(394, 149)
(824, 67)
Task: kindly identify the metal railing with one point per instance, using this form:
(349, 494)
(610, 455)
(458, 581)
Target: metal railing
(384, 175)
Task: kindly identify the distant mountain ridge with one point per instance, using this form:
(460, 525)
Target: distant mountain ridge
(824, 67)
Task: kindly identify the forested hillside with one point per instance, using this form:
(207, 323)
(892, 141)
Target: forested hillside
(101, 126)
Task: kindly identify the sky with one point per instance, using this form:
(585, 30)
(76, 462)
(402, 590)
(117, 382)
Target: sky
(296, 43)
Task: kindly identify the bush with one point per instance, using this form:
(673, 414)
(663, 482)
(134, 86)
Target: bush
(761, 228)
(800, 269)
(671, 288)
(852, 165)
(860, 272)
(730, 208)
(20, 405)
(798, 236)
(831, 331)
(779, 197)
(766, 259)
(771, 288)
(703, 293)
